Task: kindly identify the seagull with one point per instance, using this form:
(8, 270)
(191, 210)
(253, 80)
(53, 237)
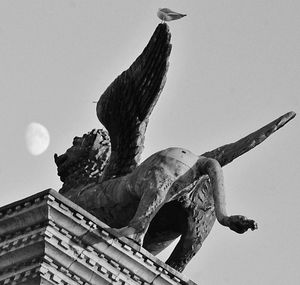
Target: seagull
(166, 14)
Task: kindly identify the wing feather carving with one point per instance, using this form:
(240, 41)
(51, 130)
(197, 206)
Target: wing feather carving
(227, 153)
(125, 106)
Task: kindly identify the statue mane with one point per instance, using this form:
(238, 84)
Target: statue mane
(83, 163)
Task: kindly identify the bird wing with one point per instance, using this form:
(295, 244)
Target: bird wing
(175, 16)
(124, 108)
(166, 10)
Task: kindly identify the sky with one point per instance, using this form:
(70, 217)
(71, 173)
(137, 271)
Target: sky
(234, 67)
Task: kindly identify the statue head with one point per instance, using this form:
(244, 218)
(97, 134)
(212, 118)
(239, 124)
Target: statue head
(84, 160)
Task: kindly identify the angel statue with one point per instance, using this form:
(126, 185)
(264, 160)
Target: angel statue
(174, 193)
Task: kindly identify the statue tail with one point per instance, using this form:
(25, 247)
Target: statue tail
(227, 153)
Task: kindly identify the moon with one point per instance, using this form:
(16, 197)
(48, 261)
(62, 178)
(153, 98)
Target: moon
(37, 138)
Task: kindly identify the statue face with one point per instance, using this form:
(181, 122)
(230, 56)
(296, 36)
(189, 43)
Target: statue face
(92, 148)
(71, 158)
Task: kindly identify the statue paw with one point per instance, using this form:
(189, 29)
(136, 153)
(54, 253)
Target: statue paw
(241, 224)
(130, 233)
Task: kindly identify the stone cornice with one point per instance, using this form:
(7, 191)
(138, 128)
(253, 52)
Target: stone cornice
(47, 238)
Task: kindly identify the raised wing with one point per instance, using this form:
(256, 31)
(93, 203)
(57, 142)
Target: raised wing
(124, 108)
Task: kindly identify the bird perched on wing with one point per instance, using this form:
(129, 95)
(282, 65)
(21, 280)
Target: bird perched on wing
(166, 14)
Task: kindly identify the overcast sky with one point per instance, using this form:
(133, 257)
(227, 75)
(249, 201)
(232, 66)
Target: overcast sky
(234, 66)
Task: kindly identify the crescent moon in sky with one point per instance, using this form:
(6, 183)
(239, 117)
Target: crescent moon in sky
(37, 138)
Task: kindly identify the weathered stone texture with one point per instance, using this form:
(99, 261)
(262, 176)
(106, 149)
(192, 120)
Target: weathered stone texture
(46, 239)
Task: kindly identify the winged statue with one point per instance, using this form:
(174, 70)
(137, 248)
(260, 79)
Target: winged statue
(173, 193)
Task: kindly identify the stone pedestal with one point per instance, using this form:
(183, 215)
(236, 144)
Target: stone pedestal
(47, 239)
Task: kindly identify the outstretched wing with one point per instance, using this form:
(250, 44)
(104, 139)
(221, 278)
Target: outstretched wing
(124, 108)
(227, 153)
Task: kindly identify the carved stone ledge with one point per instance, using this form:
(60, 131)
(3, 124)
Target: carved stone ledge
(47, 239)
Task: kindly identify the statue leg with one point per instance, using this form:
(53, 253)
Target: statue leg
(237, 223)
(200, 220)
(206, 201)
(155, 186)
(212, 168)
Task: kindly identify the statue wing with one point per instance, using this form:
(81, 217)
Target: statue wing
(227, 153)
(124, 108)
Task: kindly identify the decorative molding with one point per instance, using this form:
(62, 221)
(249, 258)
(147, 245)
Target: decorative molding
(47, 239)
